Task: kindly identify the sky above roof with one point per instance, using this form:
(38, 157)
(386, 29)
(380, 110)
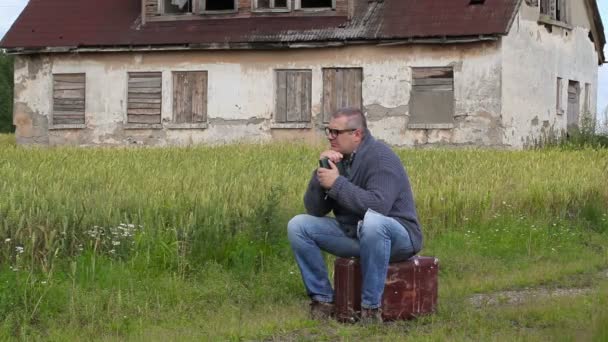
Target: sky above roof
(10, 10)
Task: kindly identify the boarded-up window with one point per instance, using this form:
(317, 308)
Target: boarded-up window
(587, 105)
(293, 96)
(432, 97)
(190, 97)
(145, 97)
(558, 104)
(573, 114)
(68, 99)
(342, 88)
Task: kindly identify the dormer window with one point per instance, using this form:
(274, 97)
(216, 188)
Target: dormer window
(271, 4)
(554, 10)
(218, 5)
(177, 6)
(314, 4)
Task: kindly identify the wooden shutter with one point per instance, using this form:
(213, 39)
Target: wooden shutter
(145, 97)
(190, 97)
(342, 88)
(293, 96)
(432, 96)
(68, 99)
(572, 117)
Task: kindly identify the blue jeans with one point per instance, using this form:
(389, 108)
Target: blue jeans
(380, 239)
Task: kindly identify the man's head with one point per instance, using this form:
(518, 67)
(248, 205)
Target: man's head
(346, 130)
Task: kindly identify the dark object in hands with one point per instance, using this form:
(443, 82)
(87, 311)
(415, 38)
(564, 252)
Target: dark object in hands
(340, 165)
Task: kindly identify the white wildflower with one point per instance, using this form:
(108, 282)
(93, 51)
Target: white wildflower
(115, 243)
(19, 249)
(7, 240)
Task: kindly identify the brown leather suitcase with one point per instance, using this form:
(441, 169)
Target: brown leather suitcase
(410, 289)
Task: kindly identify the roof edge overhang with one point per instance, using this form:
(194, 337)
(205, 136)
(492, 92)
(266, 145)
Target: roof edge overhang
(254, 45)
(597, 30)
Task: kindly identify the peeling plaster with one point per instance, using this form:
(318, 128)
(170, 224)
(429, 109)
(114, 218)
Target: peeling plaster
(494, 105)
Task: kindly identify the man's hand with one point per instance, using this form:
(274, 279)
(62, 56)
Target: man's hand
(327, 177)
(334, 156)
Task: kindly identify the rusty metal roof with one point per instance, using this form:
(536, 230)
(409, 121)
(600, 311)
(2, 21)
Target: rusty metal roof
(117, 23)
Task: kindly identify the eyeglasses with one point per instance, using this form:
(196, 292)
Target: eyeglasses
(332, 133)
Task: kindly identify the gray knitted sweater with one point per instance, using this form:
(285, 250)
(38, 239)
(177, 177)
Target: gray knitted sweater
(377, 181)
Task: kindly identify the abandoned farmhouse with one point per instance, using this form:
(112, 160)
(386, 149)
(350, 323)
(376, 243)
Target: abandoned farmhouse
(498, 73)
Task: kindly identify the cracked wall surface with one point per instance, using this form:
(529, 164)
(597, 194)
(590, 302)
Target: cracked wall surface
(534, 56)
(241, 93)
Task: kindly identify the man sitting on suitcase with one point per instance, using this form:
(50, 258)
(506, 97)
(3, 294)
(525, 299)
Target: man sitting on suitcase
(375, 216)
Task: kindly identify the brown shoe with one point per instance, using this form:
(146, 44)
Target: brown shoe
(321, 310)
(371, 316)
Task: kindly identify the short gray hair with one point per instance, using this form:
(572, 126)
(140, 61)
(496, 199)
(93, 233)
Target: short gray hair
(356, 118)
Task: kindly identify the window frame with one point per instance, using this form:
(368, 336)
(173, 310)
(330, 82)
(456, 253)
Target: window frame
(413, 91)
(203, 3)
(328, 113)
(52, 124)
(298, 7)
(302, 123)
(560, 96)
(561, 15)
(195, 9)
(198, 7)
(255, 8)
(137, 125)
(193, 124)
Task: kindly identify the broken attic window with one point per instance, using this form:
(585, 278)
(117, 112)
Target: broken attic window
(554, 9)
(177, 6)
(219, 5)
(271, 4)
(316, 3)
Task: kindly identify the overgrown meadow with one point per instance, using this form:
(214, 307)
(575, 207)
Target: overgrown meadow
(190, 243)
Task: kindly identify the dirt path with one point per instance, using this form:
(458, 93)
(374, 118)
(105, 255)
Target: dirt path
(523, 296)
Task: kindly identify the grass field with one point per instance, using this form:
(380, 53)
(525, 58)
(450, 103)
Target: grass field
(190, 243)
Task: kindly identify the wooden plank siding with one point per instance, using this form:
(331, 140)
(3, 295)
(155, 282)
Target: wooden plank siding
(144, 98)
(190, 96)
(293, 96)
(69, 99)
(342, 88)
(432, 96)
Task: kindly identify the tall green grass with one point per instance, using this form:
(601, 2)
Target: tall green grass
(110, 242)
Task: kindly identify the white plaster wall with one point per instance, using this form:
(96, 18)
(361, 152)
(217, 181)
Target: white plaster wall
(533, 58)
(241, 91)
